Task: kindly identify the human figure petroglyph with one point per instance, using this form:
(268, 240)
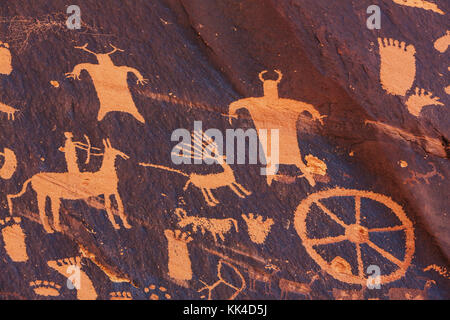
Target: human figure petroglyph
(179, 262)
(207, 182)
(238, 289)
(66, 267)
(421, 4)
(217, 227)
(9, 164)
(76, 186)
(70, 152)
(398, 66)
(270, 112)
(110, 82)
(6, 69)
(258, 227)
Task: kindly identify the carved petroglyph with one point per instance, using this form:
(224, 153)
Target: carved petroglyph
(416, 177)
(340, 294)
(179, 262)
(443, 42)
(421, 4)
(411, 294)
(259, 275)
(14, 239)
(45, 288)
(206, 182)
(271, 112)
(75, 186)
(6, 69)
(70, 152)
(238, 289)
(441, 270)
(67, 267)
(257, 227)
(157, 293)
(120, 295)
(110, 82)
(9, 165)
(217, 227)
(355, 233)
(288, 286)
(419, 99)
(398, 66)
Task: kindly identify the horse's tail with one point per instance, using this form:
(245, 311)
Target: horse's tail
(234, 222)
(9, 197)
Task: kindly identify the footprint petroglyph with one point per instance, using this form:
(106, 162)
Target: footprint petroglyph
(157, 293)
(120, 295)
(77, 279)
(398, 66)
(45, 288)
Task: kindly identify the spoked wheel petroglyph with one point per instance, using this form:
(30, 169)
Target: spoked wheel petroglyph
(356, 233)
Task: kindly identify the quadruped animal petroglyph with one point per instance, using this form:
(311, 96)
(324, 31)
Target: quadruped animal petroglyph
(270, 112)
(207, 182)
(75, 186)
(110, 82)
(6, 69)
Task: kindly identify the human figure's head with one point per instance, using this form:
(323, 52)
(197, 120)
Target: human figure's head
(103, 59)
(270, 86)
(68, 135)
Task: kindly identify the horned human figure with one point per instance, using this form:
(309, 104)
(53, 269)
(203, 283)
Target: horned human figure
(272, 113)
(110, 82)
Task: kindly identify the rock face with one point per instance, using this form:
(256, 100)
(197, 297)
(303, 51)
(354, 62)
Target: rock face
(101, 200)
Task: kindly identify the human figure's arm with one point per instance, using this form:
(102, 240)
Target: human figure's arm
(75, 74)
(140, 78)
(237, 105)
(299, 107)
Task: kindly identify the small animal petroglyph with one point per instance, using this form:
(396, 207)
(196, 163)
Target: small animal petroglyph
(416, 177)
(288, 286)
(257, 227)
(217, 227)
(422, 4)
(110, 82)
(179, 262)
(45, 288)
(270, 113)
(72, 269)
(411, 294)
(259, 275)
(9, 164)
(238, 289)
(419, 99)
(398, 66)
(14, 239)
(207, 182)
(120, 295)
(157, 293)
(75, 186)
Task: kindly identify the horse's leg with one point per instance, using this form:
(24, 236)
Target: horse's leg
(242, 189)
(205, 195)
(213, 199)
(121, 211)
(109, 211)
(56, 204)
(41, 205)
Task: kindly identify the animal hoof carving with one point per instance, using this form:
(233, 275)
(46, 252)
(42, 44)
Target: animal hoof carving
(420, 99)
(179, 264)
(258, 229)
(45, 288)
(14, 239)
(76, 278)
(398, 66)
(125, 295)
